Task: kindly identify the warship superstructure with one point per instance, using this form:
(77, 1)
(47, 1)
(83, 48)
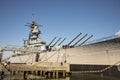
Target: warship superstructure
(99, 56)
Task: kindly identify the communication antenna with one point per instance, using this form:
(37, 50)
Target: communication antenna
(33, 16)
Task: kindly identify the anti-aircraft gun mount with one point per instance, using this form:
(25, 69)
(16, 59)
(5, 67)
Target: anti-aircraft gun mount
(72, 43)
(50, 47)
(82, 39)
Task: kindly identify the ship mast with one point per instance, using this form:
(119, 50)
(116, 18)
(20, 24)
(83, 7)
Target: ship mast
(33, 39)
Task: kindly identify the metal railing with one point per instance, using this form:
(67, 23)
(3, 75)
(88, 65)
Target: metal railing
(103, 39)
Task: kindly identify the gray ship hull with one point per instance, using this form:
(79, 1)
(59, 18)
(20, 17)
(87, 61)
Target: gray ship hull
(109, 55)
(96, 58)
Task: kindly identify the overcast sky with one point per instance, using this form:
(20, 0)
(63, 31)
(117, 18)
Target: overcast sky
(61, 18)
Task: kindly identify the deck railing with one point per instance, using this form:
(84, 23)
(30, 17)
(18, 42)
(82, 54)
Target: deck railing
(103, 39)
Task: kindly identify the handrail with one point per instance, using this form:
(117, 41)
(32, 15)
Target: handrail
(103, 39)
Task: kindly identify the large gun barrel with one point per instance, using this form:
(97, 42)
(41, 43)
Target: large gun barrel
(85, 40)
(74, 39)
(79, 40)
(52, 41)
(61, 41)
(56, 41)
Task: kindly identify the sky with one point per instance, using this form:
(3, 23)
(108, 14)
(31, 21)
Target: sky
(60, 18)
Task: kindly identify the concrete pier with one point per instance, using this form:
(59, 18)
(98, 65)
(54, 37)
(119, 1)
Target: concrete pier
(46, 69)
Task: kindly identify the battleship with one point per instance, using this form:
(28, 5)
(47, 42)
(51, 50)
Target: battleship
(99, 56)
